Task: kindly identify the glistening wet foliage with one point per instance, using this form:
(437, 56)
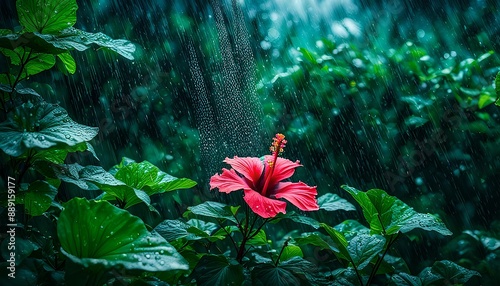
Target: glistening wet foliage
(229, 142)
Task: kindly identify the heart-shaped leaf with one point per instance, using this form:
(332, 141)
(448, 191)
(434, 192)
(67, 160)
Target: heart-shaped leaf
(46, 16)
(98, 233)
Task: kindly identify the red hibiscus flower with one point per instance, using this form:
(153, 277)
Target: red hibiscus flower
(261, 180)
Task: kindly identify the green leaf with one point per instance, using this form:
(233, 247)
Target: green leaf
(339, 239)
(213, 209)
(46, 16)
(39, 63)
(217, 270)
(350, 228)
(348, 277)
(79, 40)
(194, 229)
(297, 218)
(388, 215)
(68, 61)
(95, 177)
(315, 239)
(259, 239)
(452, 272)
(290, 251)
(294, 271)
(149, 178)
(98, 233)
(67, 40)
(58, 155)
(39, 197)
(39, 127)
(23, 249)
(332, 202)
(363, 248)
(405, 279)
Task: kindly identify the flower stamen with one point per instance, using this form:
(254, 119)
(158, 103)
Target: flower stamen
(276, 148)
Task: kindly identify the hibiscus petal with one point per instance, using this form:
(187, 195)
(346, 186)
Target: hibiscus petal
(228, 182)
(283, 169)
(250, 167)
(299, 194)
(264, 207)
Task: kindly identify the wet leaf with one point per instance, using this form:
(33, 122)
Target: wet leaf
(332, 202)
(98, 233)
(214, 210)
(149, 178)
(46, 16)
(445, 271)
(39, 197)
(40, 127)
(95, 177)
(363, 248)
(217, 270)
(290, 251)
(388, 215)
(289, 272)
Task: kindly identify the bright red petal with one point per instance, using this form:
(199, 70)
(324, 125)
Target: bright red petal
(284, 169)
(250, 167)
(299, 194)
(228, 182)
(264, 207)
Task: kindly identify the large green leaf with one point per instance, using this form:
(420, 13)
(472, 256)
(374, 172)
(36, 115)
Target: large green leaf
(363, 248)
(46, 16)
(448, 271)
(213, 209)
(79, 40)
(194, 229)
(388, 215)
(290, 272)
(38, 198)
(95, 177)
(149, 178)
(98, 233)
(218, 270)
(58, 155)
(332, 202)
(40, 127)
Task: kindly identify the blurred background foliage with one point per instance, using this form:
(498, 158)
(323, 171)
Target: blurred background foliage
(396, 95)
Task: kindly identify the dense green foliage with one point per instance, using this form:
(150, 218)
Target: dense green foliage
(397, 115)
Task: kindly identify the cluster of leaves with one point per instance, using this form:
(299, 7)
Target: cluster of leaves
(389, 115)
(97, 239)
(365, 254)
